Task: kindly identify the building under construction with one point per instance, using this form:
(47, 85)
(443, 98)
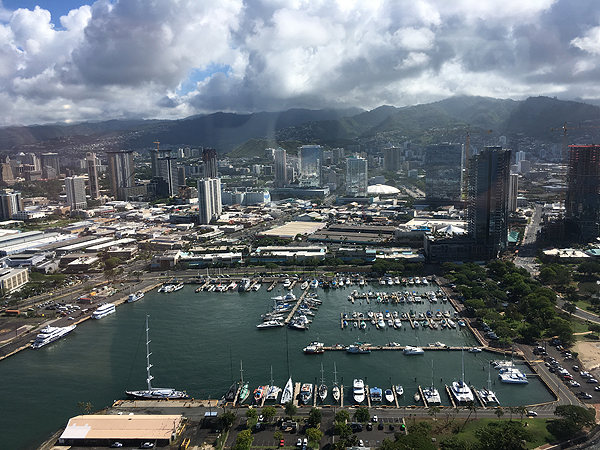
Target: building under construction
(582, 200)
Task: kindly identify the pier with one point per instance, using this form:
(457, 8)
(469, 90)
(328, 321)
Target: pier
(450, 396)
(476, 392)
(422, 396)
(296, 306)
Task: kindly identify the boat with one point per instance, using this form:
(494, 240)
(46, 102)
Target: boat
(461, 392)
(335, 391)
(288, 392)
(244, 285)
(376, 394)
(399, 390)
(512, 376)
(314, 348)
(177, 287)
(410, 350)
(104, 310)
(475, 350)
(153, 393)
(431, 394)
(287, 283)
(314, 284)
(273, 391)
(306, 392)
(50, 334)
(322, 391)
(304, 285)
(230, 395)
(389, 395)
(135, 297)
(259, 392)
(273, 323)
(486, 394)
(244, 393)
(256, 287)
(359, 390)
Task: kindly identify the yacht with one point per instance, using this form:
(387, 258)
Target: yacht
(461, 392)
(177, 287)
(359, 390)
(430, 393)
(135, 297)
(376, 394)
(306, 392)
(399, 390)
(304, 285)
(244, 285)
(314, 284)
(50, 334)
(104, 310)
(153, 393)
(288, 392)
(475, 350)
(512, 376)
(273, 323)
(389, 395)
(287, 283)
(410, 350)
(273, 392)
(486, 394)
(314, 347)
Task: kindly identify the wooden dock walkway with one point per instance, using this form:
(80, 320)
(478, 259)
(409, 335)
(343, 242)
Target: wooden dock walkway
(297, 387)
(422, 396)
(296, 306)
(272, 286)
(367, 394)
(451, 396)
(476, 392)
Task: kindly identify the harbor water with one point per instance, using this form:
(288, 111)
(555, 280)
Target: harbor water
(199, 340)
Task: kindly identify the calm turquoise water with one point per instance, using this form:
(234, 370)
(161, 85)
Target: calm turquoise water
(198, 341)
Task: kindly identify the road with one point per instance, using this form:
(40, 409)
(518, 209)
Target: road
(528, 247)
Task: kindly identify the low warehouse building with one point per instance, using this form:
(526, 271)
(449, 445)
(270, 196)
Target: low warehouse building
(104, 430)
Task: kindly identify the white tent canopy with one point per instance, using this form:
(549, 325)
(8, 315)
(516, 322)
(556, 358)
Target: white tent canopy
(382, 189)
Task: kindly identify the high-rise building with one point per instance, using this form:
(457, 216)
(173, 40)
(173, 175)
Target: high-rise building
(210, 164)
(393, 158)
(357, 180)
(443, 168)
(487, 210)
(92, 169)
(520, 156)
(338, 155)
(209, 199)
(10, 203)
(513, 192)
(280, 167)
(163, 167)
(50, 165)
(121, 173)
(582, 200)
(33, 160)
(75, 187)
(6, 171)
(311, 164)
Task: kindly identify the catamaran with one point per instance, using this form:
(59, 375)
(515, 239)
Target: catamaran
(461, 392)
(153, 393)
(431, 394)
(486, 394)
(273, 391)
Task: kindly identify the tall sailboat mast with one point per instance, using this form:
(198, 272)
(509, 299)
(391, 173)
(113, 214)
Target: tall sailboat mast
(148, 365)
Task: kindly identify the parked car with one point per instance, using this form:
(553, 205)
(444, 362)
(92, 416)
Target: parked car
(532, 414)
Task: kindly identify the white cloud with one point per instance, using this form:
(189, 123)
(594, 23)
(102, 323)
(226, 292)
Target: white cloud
(134, 58)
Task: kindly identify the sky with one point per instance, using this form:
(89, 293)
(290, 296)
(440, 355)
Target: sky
(68, 61)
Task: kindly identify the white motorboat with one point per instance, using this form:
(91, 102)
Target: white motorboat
(314, 284)
(104, 310)
(306, 393)
(304, 285)
(359, 390)
(288, 392)
(135, 297)
(475, 350)
(50, 334)
(410, 350)
(399, 390)
(273, 323)
(256, 287)
(153, 393)
(177, 287)
(389, 395)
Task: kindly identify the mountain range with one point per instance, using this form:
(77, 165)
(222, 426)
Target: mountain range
(249, 134)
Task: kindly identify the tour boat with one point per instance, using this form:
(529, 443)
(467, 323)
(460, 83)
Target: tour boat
(104, 310)
(135, 297)
(50, 334)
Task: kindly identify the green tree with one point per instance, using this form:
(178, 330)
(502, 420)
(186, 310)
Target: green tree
(85, 407)
(361, 415)
(278, 435)
(456, 443)
(269, 412)
(314, 436)
(342, 429)
(433, 411)
(251, 413)
(243, 441)
(499, 412)
(504, 435)
(290, 409)
(227, 419)
(342, 416)
(572, 420)
(314, 417)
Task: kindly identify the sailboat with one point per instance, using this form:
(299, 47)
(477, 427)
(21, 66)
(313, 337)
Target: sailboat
(288, 392)
(322, 391)
(487, 395)
(273, 391)
(244, 390)
(459, 388)
(153, 393)
(335, 392)
(431, 394)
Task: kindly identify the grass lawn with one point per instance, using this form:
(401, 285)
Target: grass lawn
(537, 427)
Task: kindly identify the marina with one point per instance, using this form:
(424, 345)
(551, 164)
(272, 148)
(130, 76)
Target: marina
(109, 355)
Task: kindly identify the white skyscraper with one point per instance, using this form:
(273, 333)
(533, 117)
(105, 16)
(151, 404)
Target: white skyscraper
(75, 187)
(92, 167)
(356, 177)
(209, 199)
(280, 167)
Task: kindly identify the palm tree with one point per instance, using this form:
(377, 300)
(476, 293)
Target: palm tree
(499, 412)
